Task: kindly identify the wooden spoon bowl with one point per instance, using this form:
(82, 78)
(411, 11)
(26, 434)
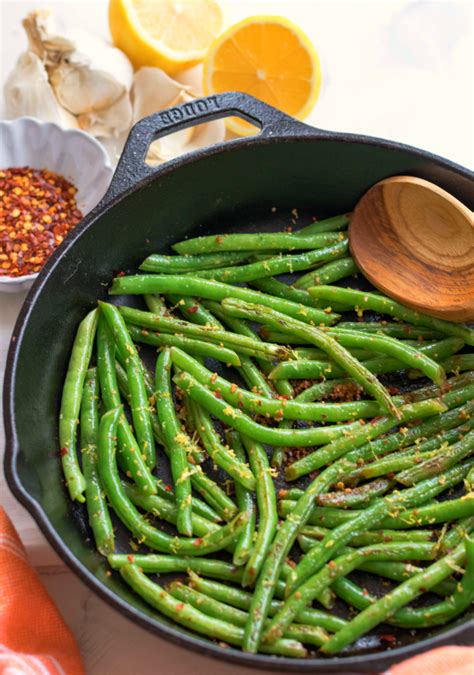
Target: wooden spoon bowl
(415, 242)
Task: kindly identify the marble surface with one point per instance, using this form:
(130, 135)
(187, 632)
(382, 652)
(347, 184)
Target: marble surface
(401, 70)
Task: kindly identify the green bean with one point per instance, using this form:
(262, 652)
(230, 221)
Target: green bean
(339, 567)
(266, 501)
(215, 608)
(177, 442)
(378, 364)
(356, 438)
(242, 600)
(264, 350)
(272, 286)
(458, 363)
(193, 310)
(191, 618)
(309, 367)
(129, 455)
(214, 290)
(396, 571)
(279, 264)
(155, 563)
(134, 521)
(156, 304)
(138, 397)
(376, 515)
(444, 459)
(384, 536)
(236, 419)
(401, 331)
(456, 534)
(333, 224)
(245, 503)
(213, 494)
(438, 512)
(399, 597)
(305, 353)
(221, 455)
(397, 349)
(271, 407)
(319, 339)
(357, 496)
(162, 264)
(97, 510)
(167, 510)
(384, 305)
(268, 241)
(197, 347)
(327, 274)
(71, 403)
(405, 618)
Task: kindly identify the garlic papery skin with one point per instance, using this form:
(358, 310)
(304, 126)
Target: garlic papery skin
(110, 122)
(86, 73)
(28, 93)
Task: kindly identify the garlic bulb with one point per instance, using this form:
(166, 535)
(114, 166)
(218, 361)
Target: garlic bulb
(28, 92)
(153, 90)
(86, 74)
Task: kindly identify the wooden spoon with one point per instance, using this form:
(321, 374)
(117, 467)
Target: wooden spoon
(415, 242)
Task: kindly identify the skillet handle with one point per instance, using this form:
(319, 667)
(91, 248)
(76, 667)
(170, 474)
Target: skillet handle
(131, 167)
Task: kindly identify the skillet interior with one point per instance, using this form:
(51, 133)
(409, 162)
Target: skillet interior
(222, 189)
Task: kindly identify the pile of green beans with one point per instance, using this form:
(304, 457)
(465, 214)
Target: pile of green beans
(231, 411)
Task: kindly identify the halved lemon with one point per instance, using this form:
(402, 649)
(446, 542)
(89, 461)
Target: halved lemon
(168, 34)
(269, 57)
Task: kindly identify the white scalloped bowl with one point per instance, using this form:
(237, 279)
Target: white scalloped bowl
(71, 153)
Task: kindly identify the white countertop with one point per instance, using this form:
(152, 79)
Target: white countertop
(401, 70)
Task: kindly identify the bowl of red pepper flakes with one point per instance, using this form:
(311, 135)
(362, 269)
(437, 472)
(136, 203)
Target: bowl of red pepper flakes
(49, 179)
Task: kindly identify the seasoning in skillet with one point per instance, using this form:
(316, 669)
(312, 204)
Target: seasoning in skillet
(37, 210)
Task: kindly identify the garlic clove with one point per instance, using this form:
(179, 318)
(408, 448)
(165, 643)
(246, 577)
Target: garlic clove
(111, 122)
(28, 92)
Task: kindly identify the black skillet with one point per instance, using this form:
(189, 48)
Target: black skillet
(233, 185)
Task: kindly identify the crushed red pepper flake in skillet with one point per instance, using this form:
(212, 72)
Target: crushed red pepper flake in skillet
(37, 210)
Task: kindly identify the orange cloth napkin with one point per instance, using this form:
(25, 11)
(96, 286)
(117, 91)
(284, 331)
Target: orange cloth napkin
(34, 639)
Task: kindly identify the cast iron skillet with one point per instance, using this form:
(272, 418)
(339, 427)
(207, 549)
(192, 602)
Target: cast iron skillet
(288, 165)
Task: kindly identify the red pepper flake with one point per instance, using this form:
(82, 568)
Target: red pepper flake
(193, 309)
(37, 210)
(219, 239)
(217, 393)
(131, 558)
(168, 488)
(197, 542)
(388, 638)
(233, 387)
(375, 420)
(180, 606)
(120, 274)
(63, 451)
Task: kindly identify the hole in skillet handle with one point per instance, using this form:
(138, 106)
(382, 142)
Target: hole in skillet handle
(132, 169)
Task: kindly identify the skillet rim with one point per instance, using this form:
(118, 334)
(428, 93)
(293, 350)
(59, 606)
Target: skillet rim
(294, 131)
